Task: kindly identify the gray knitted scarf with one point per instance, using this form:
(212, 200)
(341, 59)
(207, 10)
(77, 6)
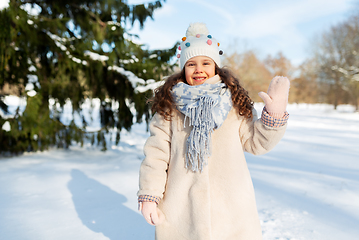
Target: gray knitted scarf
(206, 106)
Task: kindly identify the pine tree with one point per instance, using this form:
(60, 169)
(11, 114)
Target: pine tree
(75, 50)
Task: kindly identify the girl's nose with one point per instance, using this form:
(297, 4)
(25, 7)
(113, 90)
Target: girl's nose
(198, 69)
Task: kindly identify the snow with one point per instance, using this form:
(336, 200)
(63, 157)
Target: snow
(4, 4)
(6, 126)
(13, 103)
(57, 40)
(96, 56)
(32, 68)
(114, 23)
(307, 187)
(29, 88)
(151, 85)
(32, 9)
(138, 84)
(31, 93)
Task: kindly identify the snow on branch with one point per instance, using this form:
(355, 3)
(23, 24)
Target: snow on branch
(138, 84)
(127, 61)
(130, 75)
(150, 85)
(96, 56)
(58, 41)
(113, 23)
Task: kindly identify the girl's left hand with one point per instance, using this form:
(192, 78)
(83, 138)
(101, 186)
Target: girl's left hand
(276, 98)
(151, 213)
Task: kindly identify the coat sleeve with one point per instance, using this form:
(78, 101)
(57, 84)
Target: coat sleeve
(153, 170)
(258, 138)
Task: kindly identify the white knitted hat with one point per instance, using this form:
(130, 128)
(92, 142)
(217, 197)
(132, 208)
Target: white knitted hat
(198, 42)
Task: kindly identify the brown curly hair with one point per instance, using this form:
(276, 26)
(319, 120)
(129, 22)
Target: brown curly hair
(163, 102)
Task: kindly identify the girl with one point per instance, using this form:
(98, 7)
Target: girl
(194, 180)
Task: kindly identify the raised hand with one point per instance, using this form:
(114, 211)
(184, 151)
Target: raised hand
(276, 98)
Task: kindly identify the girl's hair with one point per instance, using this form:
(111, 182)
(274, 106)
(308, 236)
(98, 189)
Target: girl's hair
(163, 102)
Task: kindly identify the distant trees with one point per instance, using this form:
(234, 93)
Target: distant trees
(337, 58)
(255, 74)
(330, 75)
(74, 50)
(279, 65)
(305, 87)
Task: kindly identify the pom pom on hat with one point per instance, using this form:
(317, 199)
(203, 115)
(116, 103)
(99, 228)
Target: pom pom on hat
(196, 28)
(198, 42)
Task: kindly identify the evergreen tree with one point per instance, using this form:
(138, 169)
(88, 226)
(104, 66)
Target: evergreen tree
(74, 50)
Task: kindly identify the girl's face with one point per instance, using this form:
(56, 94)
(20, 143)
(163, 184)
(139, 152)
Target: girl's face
(199, 69)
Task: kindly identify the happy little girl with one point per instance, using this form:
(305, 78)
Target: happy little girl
(194, 180)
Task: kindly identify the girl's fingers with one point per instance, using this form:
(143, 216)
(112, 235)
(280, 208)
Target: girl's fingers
(148, 208)
(266, 99)
(148, 218)
(149, 221)
(154, 217)
(151, 213)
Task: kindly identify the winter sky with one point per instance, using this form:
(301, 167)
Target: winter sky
(266, 26)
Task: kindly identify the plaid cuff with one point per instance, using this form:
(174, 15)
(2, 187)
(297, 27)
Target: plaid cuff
(270, 121)
(148, 198)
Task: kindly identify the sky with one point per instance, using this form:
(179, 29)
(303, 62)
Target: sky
(267, 27)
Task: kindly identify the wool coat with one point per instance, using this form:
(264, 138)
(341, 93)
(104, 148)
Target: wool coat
(217, 203)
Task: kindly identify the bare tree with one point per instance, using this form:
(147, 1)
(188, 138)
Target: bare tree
(279, 65)
(305, 88)
(337, 56)
(252, 72)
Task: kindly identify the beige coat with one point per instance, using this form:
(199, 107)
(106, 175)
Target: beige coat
(218, 203)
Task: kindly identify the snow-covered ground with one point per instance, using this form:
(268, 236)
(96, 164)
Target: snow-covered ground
(307, 187)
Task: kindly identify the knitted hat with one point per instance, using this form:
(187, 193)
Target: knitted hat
(198, 42)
